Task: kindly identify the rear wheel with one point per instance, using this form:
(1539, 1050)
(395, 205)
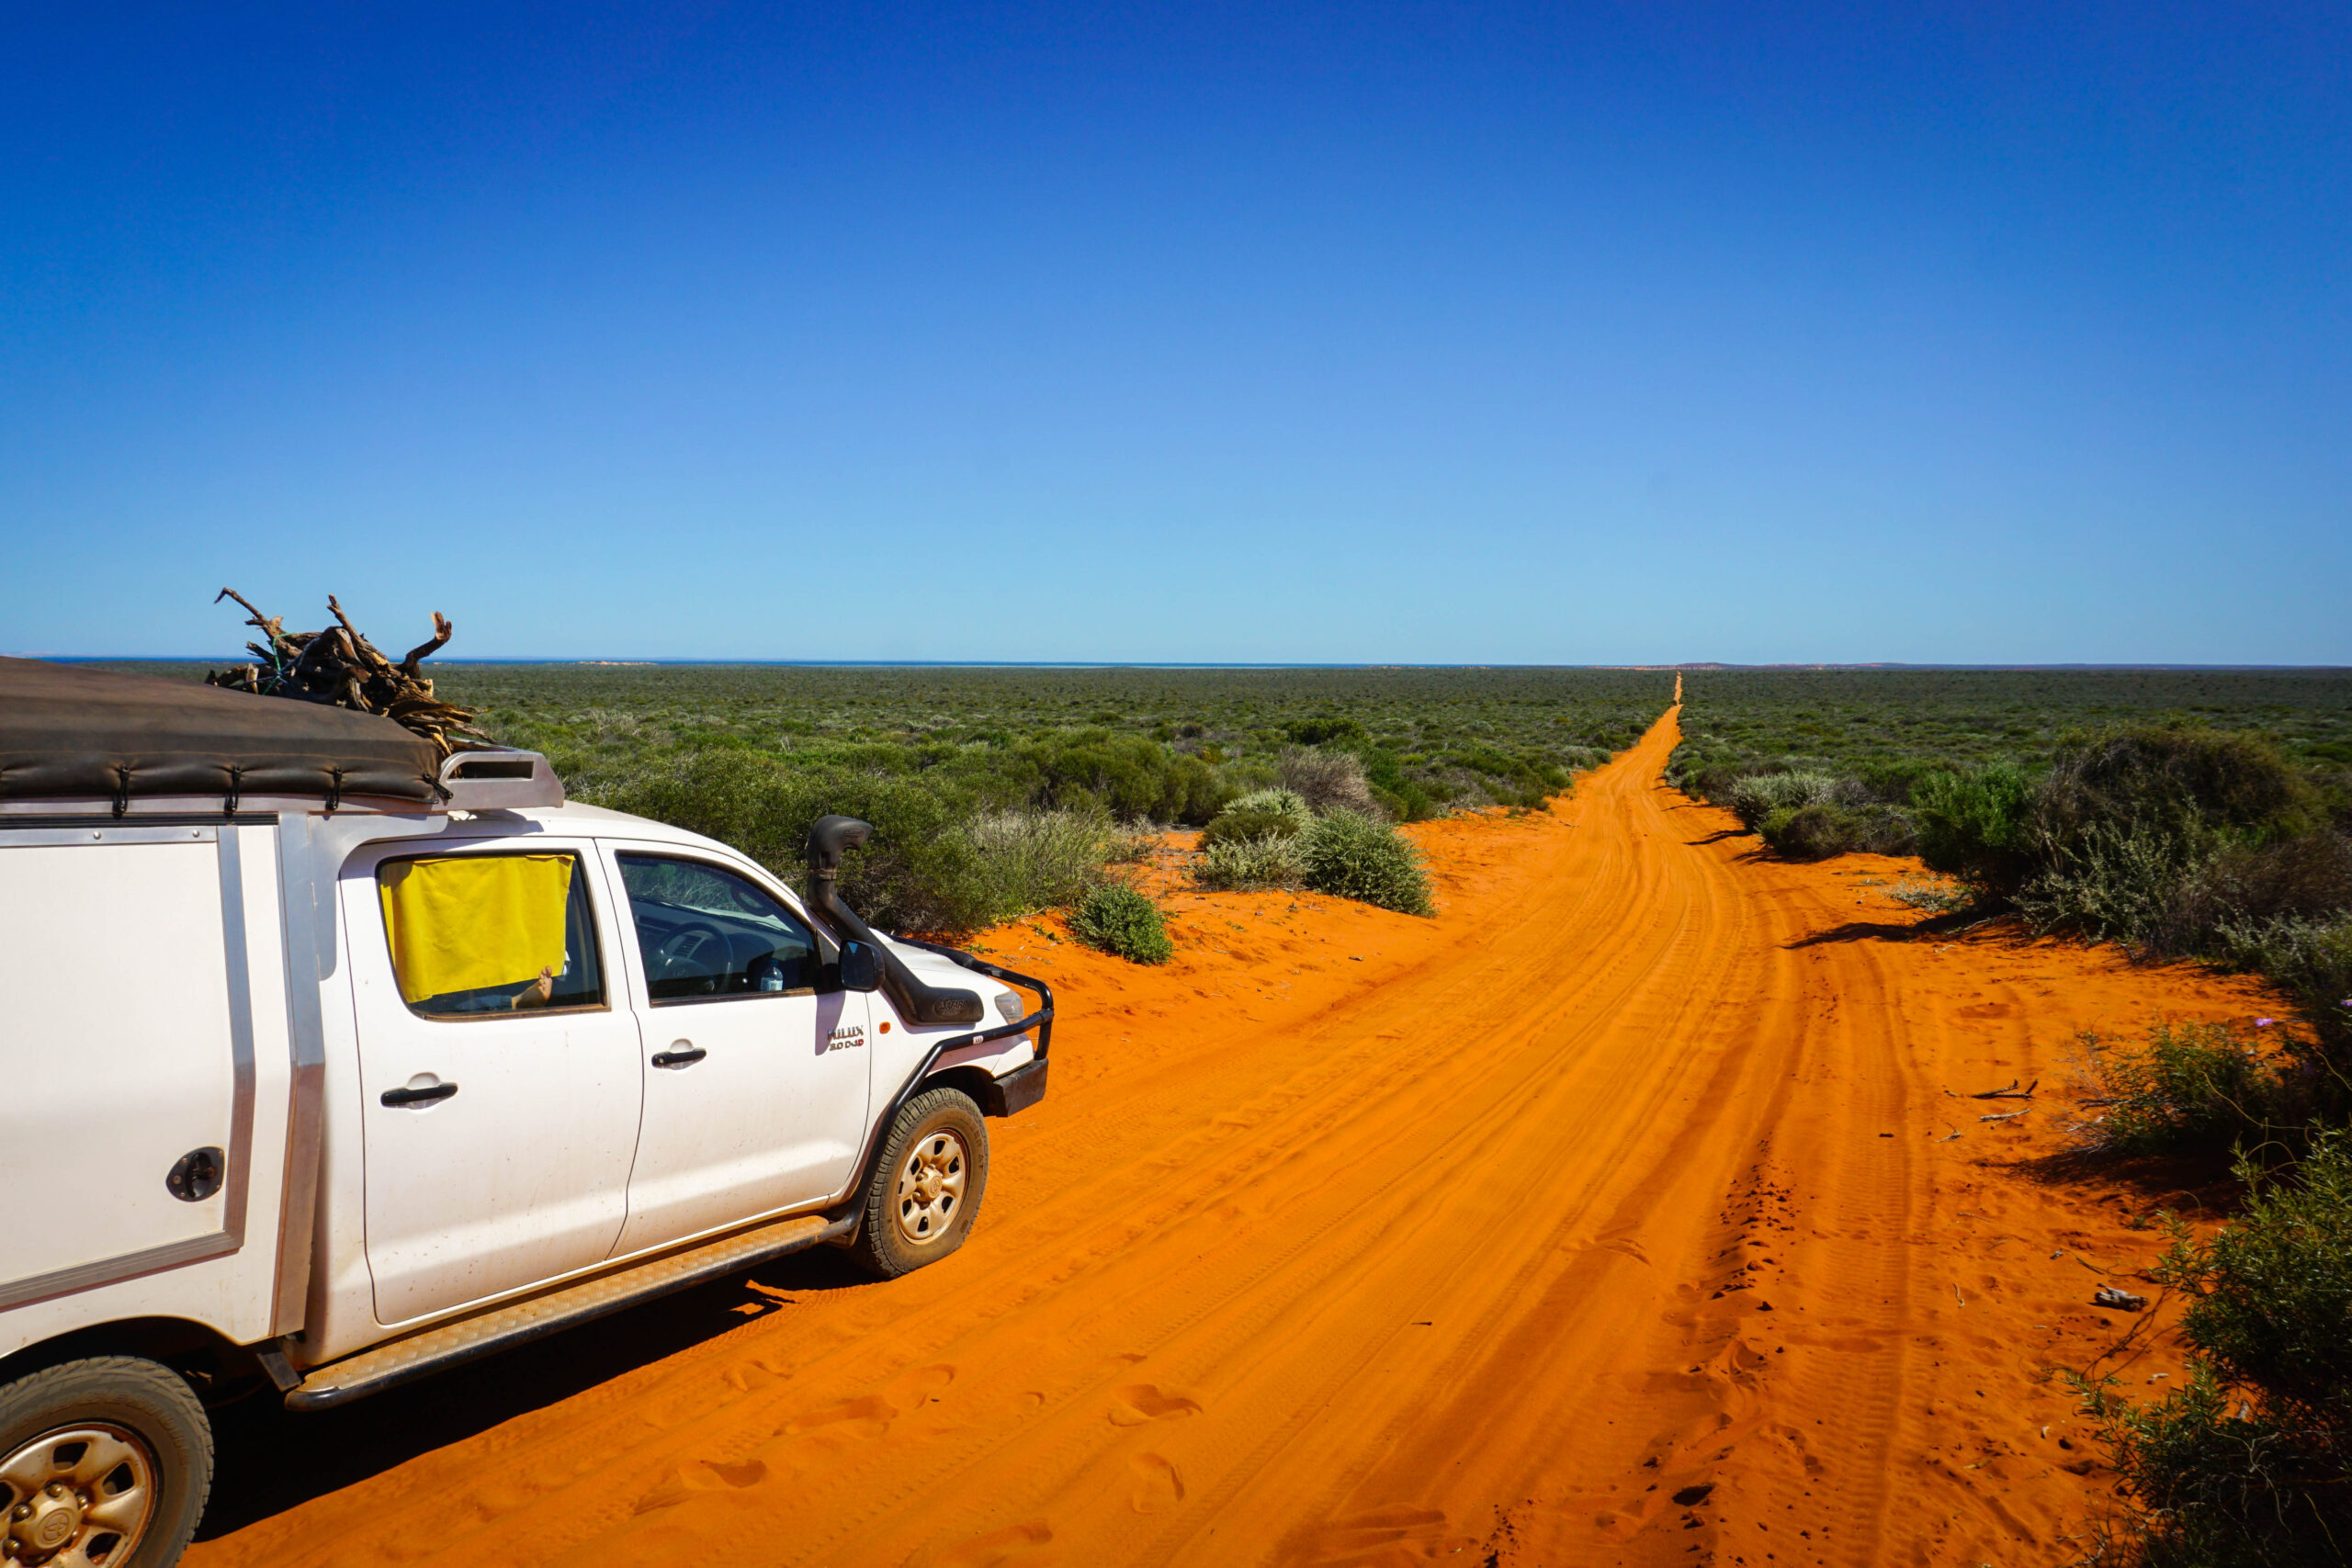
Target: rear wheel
(104, 1462)
(927, 1185)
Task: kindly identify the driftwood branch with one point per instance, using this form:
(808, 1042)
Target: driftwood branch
(339, 666)
(2012, 1092)
(440, 639)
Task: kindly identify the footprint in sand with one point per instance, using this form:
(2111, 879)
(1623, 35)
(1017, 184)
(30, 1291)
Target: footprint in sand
(869, 1416)
(1014, 1543)
(712, 1476)
(1400, 1534)
(707, 1475)
(1157, 1484)
(1141, 1402)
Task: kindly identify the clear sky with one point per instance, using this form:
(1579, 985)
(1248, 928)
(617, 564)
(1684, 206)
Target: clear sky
(1473, 332)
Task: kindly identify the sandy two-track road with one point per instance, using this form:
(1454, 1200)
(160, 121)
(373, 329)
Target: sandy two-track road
(1610, 1217)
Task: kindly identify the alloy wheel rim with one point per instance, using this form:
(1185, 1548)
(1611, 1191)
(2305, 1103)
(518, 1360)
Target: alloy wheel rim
(79, 1497)
(931, 1187)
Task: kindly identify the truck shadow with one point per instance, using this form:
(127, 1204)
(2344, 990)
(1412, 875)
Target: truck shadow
(270, 1459)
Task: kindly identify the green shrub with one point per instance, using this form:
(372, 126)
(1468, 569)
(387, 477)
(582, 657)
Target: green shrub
(920, 873)
(1976, 825)
(1760, 796)
(1262, 814)
(1130, 776)
(2310, 961)
(2246, 887)
(1355, 857)
(2112, 879)
(2190, 1086)
(1323, 731)
(1034, 860)
(2176, 781)
(1815, 832)
(2271, 1294)
(1404, 797)
(1247, 864)
(1120, 920)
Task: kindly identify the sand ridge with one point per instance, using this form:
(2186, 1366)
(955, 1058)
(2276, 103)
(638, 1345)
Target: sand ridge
(1611, 1216)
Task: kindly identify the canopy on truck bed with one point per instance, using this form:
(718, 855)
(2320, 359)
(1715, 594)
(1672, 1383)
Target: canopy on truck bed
(68, 732)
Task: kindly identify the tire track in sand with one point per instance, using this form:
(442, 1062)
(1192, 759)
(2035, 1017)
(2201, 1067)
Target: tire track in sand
(1561, 1206)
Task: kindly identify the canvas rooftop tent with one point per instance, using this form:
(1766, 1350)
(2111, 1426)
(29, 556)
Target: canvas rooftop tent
(69, 732)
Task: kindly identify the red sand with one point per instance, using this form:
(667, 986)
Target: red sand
(1348, 1237)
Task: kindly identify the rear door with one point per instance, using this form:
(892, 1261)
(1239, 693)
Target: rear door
(755, 1080)
(498, 1070)
(125, 1052)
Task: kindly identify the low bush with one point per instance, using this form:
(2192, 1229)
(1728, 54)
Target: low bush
(2189, 1086)
(1120, 920)
(1262, 814)
(1248, 865)
(1756, 798)
(1815, 832)
(2270, 1481)
(1409, 799)
(1323, 730)
(2242, 887)
(1354, 857)
(1127, 776)
(1327, 780)
(1931, 897)
(1976, 825)
(2177, 780)
(2310, 961)
(2112, 879)
(1035, 859)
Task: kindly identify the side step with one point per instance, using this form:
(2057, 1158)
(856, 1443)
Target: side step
(385, 1366)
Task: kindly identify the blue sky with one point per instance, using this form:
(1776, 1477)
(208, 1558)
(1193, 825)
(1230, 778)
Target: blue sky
(1483, 333)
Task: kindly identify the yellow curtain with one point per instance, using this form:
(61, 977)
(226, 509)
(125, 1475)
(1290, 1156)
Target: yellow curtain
(472, 921)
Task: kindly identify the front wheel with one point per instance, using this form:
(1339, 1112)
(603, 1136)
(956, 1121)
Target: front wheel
(927, 1185)
(104, 1461)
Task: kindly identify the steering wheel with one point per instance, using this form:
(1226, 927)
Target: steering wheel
(685, 953)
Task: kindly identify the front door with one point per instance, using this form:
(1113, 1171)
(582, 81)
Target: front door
(498, 1071)
(755, 1079)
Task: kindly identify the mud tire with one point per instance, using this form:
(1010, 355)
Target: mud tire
(143, 1398)
(934, 1130)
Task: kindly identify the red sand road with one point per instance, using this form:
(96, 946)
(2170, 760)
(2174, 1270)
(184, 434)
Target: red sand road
(1354, 1238)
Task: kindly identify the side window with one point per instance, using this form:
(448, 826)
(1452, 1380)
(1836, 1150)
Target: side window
(708, 932)
(473, 935)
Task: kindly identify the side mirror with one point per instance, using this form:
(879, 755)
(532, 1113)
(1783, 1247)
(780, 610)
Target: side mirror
(861, 967)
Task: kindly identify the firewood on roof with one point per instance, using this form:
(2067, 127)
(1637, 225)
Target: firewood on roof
(340, 667)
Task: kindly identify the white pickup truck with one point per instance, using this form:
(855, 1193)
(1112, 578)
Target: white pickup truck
(331, 1065)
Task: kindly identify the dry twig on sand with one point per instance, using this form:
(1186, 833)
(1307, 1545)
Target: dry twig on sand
(340, 667)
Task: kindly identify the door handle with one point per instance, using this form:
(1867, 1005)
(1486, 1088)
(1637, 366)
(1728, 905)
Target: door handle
(675, 1057)
(418, 1096)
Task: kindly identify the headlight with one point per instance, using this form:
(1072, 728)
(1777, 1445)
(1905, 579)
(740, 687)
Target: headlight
(1010, 1005)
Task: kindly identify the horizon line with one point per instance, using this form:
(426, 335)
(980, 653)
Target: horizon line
(613, 662)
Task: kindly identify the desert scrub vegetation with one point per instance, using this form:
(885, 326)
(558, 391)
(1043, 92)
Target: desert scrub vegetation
(2251, 1463)
(1244, 865)
(1351, 856)
(2185, 1086)
(1262, 814)
(1120, 920)
(1324, 830)
(989, 788)
(2202, 814)
(984, 783)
